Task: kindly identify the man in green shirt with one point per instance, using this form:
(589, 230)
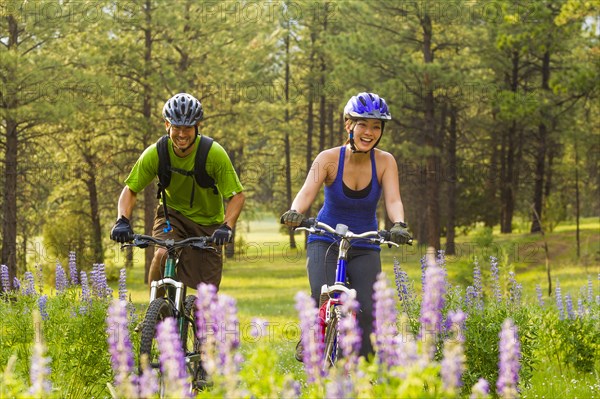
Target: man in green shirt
(192, 210)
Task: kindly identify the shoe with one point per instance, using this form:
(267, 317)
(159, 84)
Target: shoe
(299, 351)
(139, 327)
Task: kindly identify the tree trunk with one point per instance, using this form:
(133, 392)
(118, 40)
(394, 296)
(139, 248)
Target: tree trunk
(95, 214)
(542, 150)
(508, 174)
(9, 209)
(452, 165)
(150, 191)
(432, 213)
(286, 138)
(9, 212)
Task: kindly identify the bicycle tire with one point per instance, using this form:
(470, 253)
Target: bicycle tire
(192, 345)
(158, 311)
(330, 353)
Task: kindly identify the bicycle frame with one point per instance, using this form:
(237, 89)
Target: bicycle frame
(331, 306)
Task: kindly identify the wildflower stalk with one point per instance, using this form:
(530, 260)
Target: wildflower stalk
(121, 352)
(510, 361)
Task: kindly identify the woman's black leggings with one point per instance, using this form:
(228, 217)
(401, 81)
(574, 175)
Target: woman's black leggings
(361, 272)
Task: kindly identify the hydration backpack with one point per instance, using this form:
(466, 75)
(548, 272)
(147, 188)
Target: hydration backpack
(165, 169)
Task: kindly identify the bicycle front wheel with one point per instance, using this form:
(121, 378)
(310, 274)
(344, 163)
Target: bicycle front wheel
(158, 311)
(331, 341)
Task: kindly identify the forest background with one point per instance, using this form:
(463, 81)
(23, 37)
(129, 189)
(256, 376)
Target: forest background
(494, 104)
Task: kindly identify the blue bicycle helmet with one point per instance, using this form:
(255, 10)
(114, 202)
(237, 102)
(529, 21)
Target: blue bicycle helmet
(183, 110)
(366, 106)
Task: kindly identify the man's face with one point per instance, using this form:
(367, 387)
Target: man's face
(182, 136)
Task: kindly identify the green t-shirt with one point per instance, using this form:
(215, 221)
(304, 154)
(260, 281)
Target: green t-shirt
(207, 207)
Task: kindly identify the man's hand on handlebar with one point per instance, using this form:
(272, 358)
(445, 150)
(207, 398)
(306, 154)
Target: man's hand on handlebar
(122, 231)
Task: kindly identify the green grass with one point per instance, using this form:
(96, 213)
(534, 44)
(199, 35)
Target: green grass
(265, 275)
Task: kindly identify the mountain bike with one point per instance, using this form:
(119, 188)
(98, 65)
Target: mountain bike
(331, 301)
(174, 303)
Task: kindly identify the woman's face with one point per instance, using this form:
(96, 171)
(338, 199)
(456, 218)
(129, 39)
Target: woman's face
(366, 133)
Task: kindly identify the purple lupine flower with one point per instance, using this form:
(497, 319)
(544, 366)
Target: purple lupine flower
(350, 333)
(401, 281)
(61, 282)
(385, 328)
(453, 363)
(569, 303)
(559, 303)
(312, 337)
(540, 297)
(481, 389)
(147, 381)
(495, 279)
(121, 350)
(478, 287)
(40, 366)
(228, 341)
(5, 278)
(590, 290)
(423, 269)
(86, 296)
(42, 302)
(172, 359)
(470, 297)
(339, 388)
(206, 327)
(431, 306)
(598, 296)
(17, 284)
(73, 268)
(39, 277)
(510, 361)
(99, 283)
(580, 308)
(123, 284)
(514, 291)
(29, 288)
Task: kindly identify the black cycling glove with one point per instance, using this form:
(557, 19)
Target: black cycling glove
(122, 231)
(222, 235)
(399, 233)
(292, 218)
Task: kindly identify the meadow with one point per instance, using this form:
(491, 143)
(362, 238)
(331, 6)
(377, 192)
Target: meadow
(560, 340)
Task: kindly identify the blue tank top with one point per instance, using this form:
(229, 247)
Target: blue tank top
(359, 214)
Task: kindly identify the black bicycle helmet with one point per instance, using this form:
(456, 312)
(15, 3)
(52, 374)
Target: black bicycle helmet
(183, 110)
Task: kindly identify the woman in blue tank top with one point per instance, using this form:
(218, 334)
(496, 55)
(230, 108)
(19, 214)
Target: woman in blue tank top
(355, 176)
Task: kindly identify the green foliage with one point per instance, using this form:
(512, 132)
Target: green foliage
(484, 237)
(76, 344)
(481, 345)
(573, 343)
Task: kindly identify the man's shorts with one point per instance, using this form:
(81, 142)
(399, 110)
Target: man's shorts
(195, 265)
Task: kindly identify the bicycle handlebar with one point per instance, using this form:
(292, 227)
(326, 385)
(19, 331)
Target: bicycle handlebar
(312, 225)
(143, 241)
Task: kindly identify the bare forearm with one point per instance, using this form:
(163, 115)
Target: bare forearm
(234, 208)
(395, 211)
(126, 203)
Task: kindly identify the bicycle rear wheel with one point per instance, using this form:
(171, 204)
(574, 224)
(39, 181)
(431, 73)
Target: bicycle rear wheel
(158, 311)
(331, 340)
(191, 345)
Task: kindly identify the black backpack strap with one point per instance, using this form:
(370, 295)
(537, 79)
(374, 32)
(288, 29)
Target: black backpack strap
(203, 179)
(164, 175)
(164, 163)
